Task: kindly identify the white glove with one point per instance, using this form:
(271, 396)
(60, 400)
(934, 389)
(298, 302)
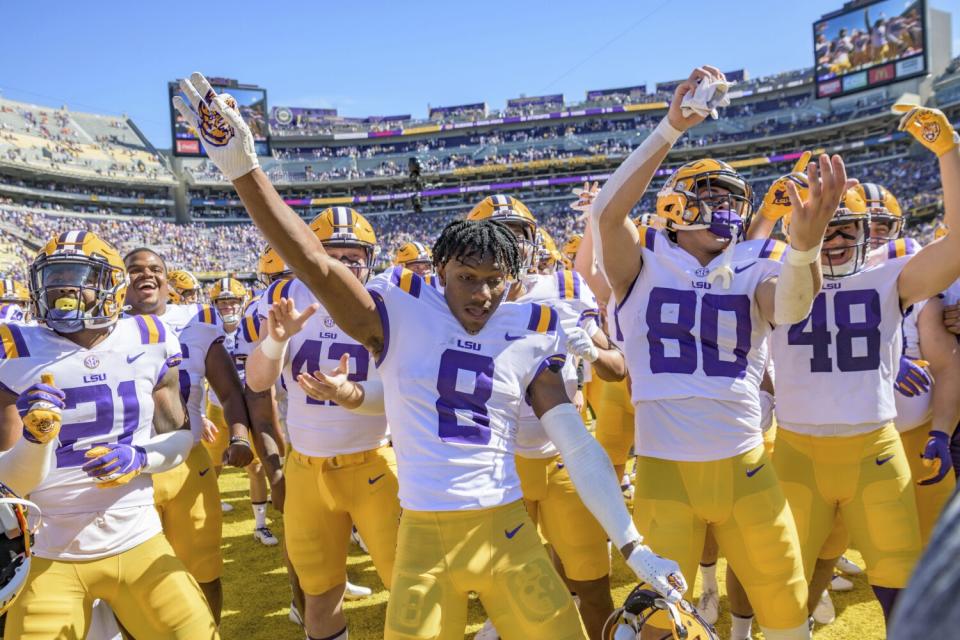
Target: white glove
(580, 344)
(659, 572)
(709, 95)
(225, 136)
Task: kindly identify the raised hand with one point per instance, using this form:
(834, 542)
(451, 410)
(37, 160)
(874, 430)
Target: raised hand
(678, 121)
(225, 136)
(930, 127)
(284, 321)
(809, 217)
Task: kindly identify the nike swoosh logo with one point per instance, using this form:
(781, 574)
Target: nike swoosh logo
(512, 532)
(132, 358)
(374, 480)
(510, 338)
(753, 472)
(744, 268)
(880, 461)
(204, 472)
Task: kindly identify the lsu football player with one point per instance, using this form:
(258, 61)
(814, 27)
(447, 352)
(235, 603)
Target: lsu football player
(416, 257)
(846, 354)
(184, 287)
(549, 494)
(340, 471)
(886, 217)
(229, 298)
(694, 311)
(112, 384)
(14, 301)
(188, 497)
(456, 366)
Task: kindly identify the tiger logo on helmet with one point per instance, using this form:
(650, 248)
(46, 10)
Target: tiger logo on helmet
(184, 287)
(20, 519)
(513, 213)
(886, 217)
(345, 227)
(78, 281)
(228, 296)
(645, 608)
(841, 260)
(271, 267)
(416, 257)
(706, 194)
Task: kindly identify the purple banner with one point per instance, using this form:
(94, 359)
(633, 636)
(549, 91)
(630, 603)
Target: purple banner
(536, 101)
(632, 92)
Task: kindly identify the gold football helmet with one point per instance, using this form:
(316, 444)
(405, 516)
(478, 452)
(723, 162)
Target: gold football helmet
(690, 199)
(228, 296)
(572, 246)
(344, 227)
(78, 281)
(548, 256)
(12, 291)
(415, 256)
(884, 210)
(184, 287)
(644, 607)
(513, 213)
(271, 266)
(852, 210)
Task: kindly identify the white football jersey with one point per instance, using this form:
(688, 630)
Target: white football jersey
(12, 314)
(198, 327)
(319, 428)
(836, 369)
(696, 349)
(109, 399)
(454, 399)
(238, 348)
(894, 249)
(576, 305)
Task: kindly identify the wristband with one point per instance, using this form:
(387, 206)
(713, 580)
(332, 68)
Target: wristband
(273, 349)
(798, 258)
(666, 131)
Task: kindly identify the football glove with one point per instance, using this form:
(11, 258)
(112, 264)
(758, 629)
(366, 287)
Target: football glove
(776, 203)
(659, 572)
(40, 405)
(225, 136)
(581, 345)
(912, 378)
(929, 127)
(936, 457)
(113, 465)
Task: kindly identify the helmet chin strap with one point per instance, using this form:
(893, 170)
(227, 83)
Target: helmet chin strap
(722, 272)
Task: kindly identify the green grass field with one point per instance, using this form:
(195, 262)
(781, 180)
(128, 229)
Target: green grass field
(257, 595)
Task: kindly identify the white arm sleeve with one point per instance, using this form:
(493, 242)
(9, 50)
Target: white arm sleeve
(591, 472)
(794, 294)
(372, 404)
(167, 450)
(26, 465)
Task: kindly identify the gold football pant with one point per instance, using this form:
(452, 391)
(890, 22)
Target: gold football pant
(615, 421)
(147, 587)
(444, 555)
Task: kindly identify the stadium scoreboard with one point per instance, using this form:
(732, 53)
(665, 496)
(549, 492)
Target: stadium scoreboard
(252, 101)
(868, 45)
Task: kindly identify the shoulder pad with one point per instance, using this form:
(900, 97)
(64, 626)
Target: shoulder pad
(648, 237)
(543, 318)
(250, 327)
(568, 284)
(206, 314)
(152, 330)
(278, 289)
(902, 247)
(407, 281)
(773, 250)
(12, 344)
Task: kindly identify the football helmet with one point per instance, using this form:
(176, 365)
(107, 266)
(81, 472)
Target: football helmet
(271, 266)
(940, 230)
(884, 209)
(513, 213)
(12, 291)
(84, 277)
(20, 520)
(344, 227)
(644, 607)
(852, 210)
(548, 257)
(411, 253)
(184, 287)
(229, 289)
(572, 246)
(682, 206)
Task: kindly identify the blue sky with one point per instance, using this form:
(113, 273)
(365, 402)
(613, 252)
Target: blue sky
(385, 58)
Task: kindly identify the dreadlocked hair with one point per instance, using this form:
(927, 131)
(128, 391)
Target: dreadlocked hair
(477, 239)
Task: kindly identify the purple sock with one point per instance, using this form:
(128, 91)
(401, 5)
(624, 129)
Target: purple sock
(887, 596)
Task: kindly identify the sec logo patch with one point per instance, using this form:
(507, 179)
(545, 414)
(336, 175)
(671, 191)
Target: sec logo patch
(91, 362)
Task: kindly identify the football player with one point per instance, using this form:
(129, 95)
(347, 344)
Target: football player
(846, 354)
(14, 301)
(184, 287)
(456, 368)
(229, 297)
(886, 217)
(112, 383)
(694, 312)
(416, 257)
(341, 470)
(188, 497)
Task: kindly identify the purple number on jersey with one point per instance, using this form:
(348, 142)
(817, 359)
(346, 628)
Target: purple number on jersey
(452, 400)
(102, 397)
(311, 351)
(681, 330)
(819, 337)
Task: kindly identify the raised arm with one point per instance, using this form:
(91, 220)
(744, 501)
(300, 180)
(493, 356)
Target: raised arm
(229, 144)
(937, 265)
(618, 243)
(584, 262)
